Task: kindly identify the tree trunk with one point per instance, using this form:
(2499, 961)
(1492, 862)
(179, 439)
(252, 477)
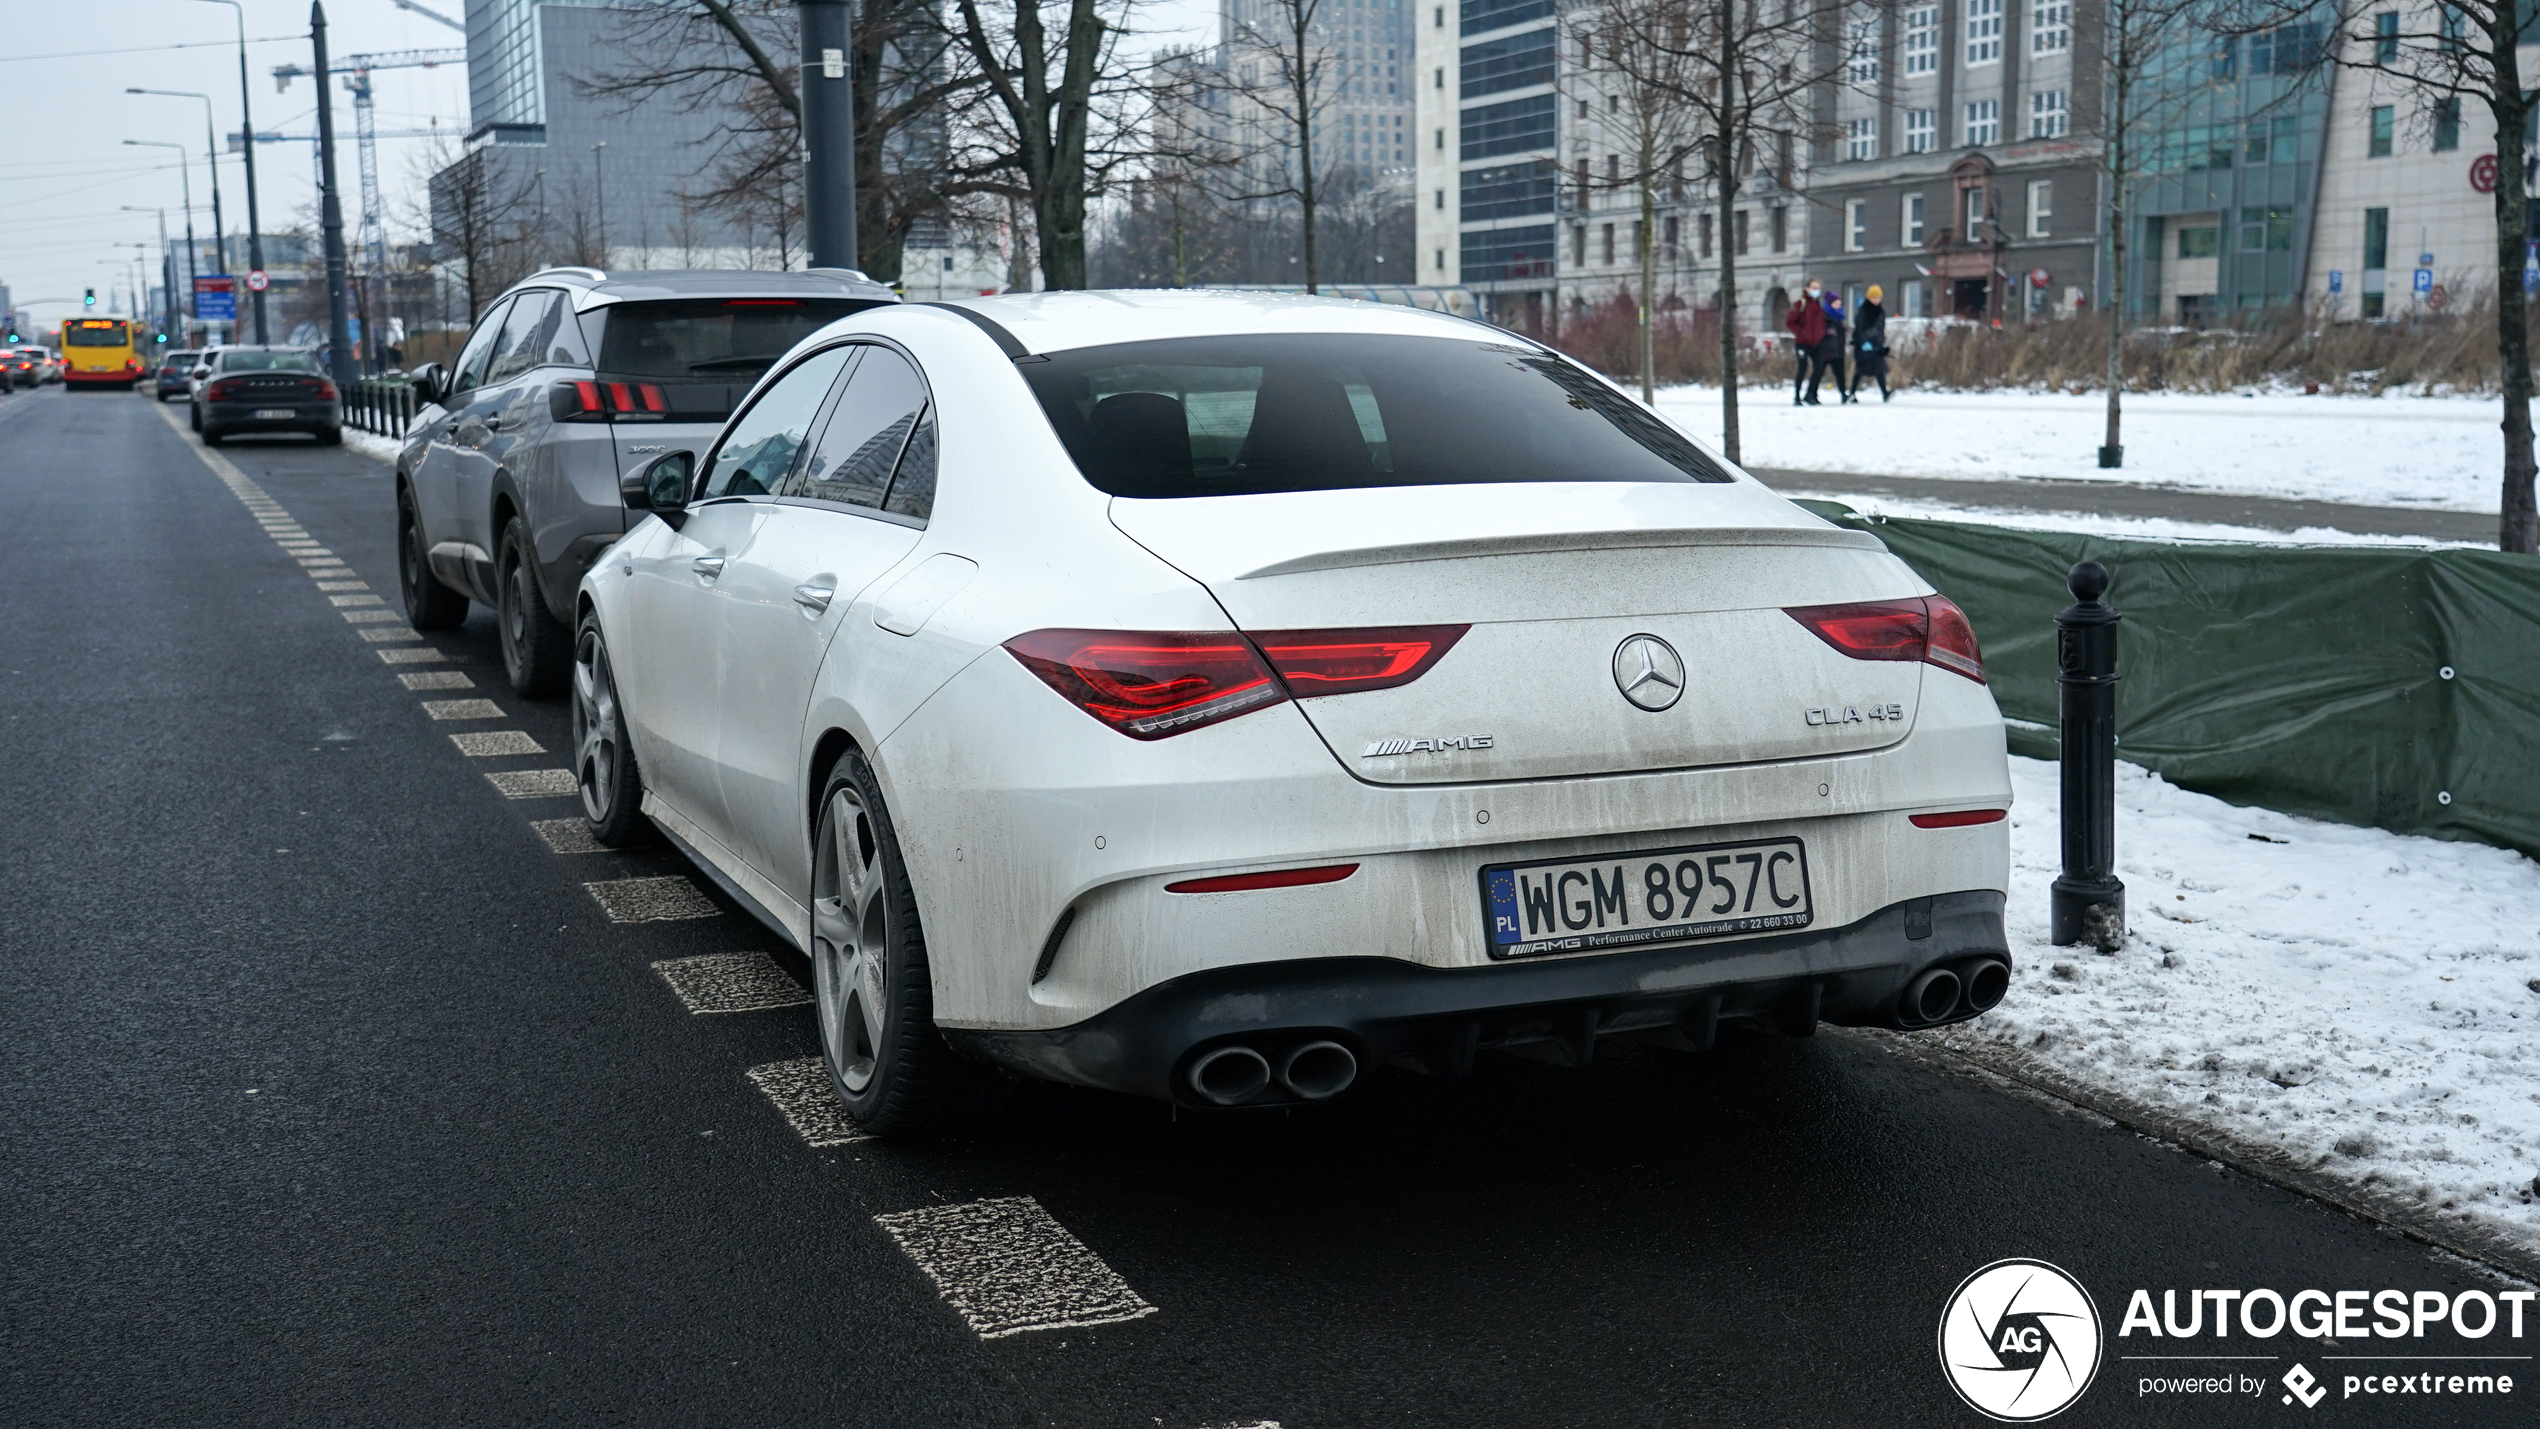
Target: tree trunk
(1305, 139)
(2112, 449)
(1648, 283)
(2518, 530)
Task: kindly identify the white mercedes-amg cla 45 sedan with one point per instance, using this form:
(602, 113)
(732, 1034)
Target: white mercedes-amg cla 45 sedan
(1213, 696)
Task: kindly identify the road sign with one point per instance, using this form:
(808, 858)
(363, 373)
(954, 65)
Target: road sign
(2482, 173)
(2039, 277)
(2337, 280)
(2424, 281)
(257, 282)
(216, 298)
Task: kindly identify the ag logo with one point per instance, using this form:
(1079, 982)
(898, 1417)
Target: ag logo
(2019, 1340)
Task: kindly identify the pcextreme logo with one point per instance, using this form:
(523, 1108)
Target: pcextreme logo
(2019, 1341)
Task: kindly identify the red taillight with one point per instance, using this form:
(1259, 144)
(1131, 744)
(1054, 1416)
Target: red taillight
(219, 392)
(1246, 882)
(1957, 820)
(1928, 628)
(325, 390)
(1149, 685)
(1338, 662)
(653, 400)
(586, 396)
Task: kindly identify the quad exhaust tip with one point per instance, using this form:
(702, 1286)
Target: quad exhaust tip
(1230, 1075)
(1933, 996)
(1987, 981)
(1318, 1070)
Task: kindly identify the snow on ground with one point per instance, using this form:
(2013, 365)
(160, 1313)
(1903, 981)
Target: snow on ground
(2135, 528)
(377, 448)
(2441, 452)
(2367, 1001)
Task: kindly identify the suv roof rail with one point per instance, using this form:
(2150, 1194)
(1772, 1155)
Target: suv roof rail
(594, 274)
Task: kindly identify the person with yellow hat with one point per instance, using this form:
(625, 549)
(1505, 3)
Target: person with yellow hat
(1869, 345)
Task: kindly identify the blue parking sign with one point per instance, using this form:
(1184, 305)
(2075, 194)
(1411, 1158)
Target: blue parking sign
(2337, 280)
(2424, 281)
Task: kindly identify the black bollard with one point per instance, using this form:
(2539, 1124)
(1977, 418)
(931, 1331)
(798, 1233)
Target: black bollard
(2089, 901)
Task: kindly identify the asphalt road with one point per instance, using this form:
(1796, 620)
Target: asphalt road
(333, 1097)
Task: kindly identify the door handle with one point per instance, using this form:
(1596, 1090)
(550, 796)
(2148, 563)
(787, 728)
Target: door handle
(707, 566)
(814, 599)
(493, 424)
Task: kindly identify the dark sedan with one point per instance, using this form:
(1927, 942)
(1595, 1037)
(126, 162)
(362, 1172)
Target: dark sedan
(25, 367)
(170, 380)
(266, 389)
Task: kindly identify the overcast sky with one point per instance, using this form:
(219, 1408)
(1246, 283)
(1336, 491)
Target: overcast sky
(67, 174)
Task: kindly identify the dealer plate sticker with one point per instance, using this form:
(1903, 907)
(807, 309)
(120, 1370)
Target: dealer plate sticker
(1661, 896)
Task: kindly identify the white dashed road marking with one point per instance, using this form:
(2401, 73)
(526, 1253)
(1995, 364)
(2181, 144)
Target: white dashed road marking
(343, 585)
(731, 982)
(386, 633)
(371, 617)
(434, 679)
(802, 1094)
(421, 655)
(495, 743)
(464, 709)
(1006, 1266)
(342, 601)
(532, 783)
(651, 900)
(568, 835)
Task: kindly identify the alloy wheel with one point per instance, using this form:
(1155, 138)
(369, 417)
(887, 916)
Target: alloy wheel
(598, 741)
(849, 939)
(515, 612)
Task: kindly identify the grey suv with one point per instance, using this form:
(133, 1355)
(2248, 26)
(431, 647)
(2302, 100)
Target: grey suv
(515, 475)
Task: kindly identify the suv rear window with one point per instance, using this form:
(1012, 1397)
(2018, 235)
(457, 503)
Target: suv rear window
(707, 340)
(1230, 416)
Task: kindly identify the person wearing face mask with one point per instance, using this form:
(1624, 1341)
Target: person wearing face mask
(1869, 346)
(1808, 332)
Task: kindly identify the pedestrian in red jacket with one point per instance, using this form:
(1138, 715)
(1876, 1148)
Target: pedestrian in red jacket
(1807, 323)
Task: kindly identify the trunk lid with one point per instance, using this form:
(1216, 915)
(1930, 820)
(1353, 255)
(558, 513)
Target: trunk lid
(1553, 580)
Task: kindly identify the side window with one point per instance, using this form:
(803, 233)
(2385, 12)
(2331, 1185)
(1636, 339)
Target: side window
(758, 449)
(480, 346)
(872, 421)
(564, 344)
(913, 488)
(526, 334)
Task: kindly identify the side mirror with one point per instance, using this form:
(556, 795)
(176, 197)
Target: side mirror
(428, 382)
(661, 485)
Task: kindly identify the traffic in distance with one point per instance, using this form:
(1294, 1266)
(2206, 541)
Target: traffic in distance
(1208, 697)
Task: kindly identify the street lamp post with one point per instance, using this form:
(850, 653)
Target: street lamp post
(828, 134)
(167, 261)
(339, 333)
(190, 248)
(600, 183)
(247, 128)
(211, 161)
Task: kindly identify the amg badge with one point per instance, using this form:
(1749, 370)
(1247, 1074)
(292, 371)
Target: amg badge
(1439, 745)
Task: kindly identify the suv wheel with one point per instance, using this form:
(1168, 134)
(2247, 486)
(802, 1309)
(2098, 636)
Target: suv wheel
(536, 648)
(430, 605)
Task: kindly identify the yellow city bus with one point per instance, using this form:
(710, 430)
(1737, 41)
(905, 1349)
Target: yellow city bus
(97, 352)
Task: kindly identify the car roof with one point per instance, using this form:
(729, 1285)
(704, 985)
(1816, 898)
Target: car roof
(1055, 322)
(593, 288)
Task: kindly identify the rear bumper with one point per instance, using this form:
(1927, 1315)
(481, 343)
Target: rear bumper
(304, 416)
(1384, 1008)
(114, 378)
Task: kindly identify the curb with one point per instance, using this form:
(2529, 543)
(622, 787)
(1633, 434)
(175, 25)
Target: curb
(2493, 1249)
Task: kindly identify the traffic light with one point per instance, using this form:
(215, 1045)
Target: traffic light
(163, 337)
(92, 297)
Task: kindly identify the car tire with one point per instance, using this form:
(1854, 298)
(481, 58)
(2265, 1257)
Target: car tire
(538, 651)
(430, 605)
(870, 984)
(213, 436)
(329, 436)
(604, 767)
(193, 416)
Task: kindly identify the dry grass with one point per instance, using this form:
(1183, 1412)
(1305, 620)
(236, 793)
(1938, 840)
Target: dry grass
(2454, 352)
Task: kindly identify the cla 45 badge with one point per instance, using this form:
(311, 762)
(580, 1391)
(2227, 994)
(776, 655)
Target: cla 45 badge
(1851, 714)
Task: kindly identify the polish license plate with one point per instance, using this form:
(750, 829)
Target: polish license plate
(275, 414)
(1630, 900)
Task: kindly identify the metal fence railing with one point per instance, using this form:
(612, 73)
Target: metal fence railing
(382, 406)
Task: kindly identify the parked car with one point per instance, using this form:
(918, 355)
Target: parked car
(265, 389)
(26, 367)
(175, 375)
(1213, 696)
(510, 480)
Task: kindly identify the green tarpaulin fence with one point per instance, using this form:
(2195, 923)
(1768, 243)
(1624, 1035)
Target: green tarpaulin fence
(2368, 684)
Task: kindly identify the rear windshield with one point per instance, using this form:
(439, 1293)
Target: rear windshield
(716, 339)
(255, 359)
(103, 334)
(1230, 416)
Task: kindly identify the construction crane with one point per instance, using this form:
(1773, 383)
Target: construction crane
(430, 14)
(372, 237)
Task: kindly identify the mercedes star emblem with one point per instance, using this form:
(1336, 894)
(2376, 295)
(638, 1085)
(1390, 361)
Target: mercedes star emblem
(1649, 672)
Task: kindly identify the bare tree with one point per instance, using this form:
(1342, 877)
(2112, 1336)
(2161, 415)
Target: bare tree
(2143, 50)
(1293, 92)
(1747, 72)
(478, 213)
(1054, 100)
(1649, 126)
(2458, 52)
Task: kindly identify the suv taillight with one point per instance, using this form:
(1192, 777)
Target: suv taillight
(1150, 685)
(1929, 628)
(595, 401)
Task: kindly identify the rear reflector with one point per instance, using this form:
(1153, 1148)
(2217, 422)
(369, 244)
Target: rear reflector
(1339, 662)
(1958, 819)
(1150, 684)
(1928, 628)
(1246, 882)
